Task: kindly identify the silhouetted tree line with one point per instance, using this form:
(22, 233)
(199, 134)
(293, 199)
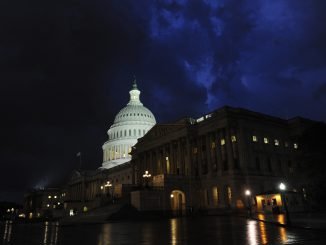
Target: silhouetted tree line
(311, 171)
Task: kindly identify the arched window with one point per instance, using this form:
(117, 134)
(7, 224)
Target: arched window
(139, 132)
(228, 195)
(125, 132)
(129, 132)
(134, 132)
(215, 195)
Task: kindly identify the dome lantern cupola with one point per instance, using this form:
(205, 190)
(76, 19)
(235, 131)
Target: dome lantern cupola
(134, 95)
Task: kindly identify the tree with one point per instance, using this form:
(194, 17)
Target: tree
(312, 163)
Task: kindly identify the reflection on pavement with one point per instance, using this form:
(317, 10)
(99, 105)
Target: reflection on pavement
(104, 236)
(7, 232)
(174, 227)
(252, 232)
(51, 233)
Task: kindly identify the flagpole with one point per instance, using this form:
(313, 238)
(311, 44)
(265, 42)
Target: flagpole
(80, 160)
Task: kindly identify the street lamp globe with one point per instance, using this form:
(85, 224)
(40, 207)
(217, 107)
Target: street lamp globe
(147, 174)
(108, 184)
(247, 192)
(282, 187)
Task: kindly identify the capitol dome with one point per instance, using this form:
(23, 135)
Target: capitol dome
(132, 122)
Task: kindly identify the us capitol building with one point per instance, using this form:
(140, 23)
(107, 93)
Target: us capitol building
(132, 122)
(206, 163)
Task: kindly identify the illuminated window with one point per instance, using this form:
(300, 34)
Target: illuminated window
(229, 193)
(265, 140)
(254, 138)
(222, 141)
(233, 138)
(295, 146)
(200, 119)
(49, 197)
(276, 142)
(167, 158)
(215, 196)
(55, 196)
(48, 205)
(213, 145)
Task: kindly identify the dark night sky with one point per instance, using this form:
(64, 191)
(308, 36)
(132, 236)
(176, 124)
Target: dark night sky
(66, 68)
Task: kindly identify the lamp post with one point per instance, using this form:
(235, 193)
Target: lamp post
(248, 195)
(146, 177)
(109, 185)
(282, 187)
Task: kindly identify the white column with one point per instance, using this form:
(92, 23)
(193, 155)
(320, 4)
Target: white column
(109, 151)
(115, 154)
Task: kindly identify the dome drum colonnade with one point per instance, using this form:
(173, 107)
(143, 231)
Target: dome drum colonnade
(132, 122)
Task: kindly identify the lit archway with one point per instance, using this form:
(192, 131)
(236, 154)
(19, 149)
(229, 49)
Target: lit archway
(178, 202)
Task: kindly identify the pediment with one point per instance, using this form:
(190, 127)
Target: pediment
(160, 130)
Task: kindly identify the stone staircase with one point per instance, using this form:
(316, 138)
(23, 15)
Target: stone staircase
(95, 216)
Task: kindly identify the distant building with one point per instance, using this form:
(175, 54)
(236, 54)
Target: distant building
(44, 203)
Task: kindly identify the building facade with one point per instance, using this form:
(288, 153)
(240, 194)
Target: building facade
(209, 162)
(87, 190)
(192, 164)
